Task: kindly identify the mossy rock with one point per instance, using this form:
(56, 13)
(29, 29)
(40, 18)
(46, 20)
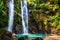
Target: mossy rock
(2, 31)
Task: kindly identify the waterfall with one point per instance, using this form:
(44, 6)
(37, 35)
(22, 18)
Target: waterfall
(24, 12)
(11, 15)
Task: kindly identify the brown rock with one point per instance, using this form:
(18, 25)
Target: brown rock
(14, 37)
(55, 37)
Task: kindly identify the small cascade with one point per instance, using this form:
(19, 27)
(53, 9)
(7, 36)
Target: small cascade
(24, 12)
(11, 15)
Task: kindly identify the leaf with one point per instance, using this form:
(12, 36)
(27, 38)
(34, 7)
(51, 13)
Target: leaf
(1, 3)
(55, 23)
(55, 7)
(58, 26)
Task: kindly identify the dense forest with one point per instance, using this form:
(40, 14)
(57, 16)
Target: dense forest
(44, 16)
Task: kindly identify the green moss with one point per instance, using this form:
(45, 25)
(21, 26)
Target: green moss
(2, 31)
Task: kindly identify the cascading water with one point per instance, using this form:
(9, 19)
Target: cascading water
(11, 15)
(24, 11)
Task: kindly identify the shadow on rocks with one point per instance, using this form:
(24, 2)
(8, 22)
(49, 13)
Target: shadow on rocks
(38, 38)
(6, 36)
(23, 38)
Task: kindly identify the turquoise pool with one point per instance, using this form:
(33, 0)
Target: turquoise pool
(31, 36)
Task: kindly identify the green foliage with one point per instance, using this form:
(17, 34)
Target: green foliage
(50, 9)
(1, 6)
(3, 14)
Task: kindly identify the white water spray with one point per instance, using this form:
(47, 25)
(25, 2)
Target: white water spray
(24, 11)
(11, 15)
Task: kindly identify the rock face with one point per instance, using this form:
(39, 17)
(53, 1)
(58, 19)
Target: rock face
(14, 37)
(6, 36)
(54, 37)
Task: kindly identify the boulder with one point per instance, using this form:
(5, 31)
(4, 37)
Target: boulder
(54, 37)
